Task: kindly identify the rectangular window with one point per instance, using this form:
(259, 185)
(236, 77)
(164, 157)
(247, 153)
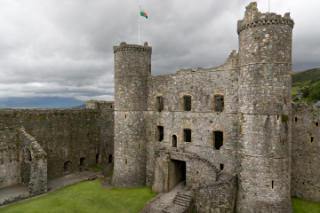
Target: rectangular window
(187, 135)
(160, 133)
(187, 103)
(159, 103)
(218, 139)
(218, 103)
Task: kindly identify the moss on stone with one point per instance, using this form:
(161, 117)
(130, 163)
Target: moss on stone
(284, 118)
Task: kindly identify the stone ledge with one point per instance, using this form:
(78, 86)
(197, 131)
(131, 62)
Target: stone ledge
(124, 47)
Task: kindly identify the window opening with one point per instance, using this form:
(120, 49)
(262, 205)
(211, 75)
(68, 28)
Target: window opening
(160, 133)
(187, 135)
(187, 102)
(218, 139)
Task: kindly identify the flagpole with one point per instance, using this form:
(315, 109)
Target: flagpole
(139, 25)
(269, 5)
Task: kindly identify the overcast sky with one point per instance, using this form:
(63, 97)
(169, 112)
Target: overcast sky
(64, 48)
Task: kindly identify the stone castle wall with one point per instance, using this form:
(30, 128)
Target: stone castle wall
(305, 182)
(204, 162)
(10, 156)
(74, 139)
(132, 70)
(265, 49)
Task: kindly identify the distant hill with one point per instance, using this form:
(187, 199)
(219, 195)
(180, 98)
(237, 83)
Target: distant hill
(306, 85)
(40, 102)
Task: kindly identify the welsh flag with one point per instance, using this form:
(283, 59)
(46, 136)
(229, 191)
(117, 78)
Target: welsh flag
(143, 14)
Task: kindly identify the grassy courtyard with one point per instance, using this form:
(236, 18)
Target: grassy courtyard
(86, 197)
(302, 206)
(90, 196)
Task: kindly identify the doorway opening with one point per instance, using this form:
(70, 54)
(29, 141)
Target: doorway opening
(177, 173)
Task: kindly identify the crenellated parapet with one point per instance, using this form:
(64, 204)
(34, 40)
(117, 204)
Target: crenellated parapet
(254, 18)
(124, 47)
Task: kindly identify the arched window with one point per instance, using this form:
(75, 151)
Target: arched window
(174, 141)
(67, 166)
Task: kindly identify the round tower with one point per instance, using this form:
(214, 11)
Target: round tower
(265, 46)
(132, 68)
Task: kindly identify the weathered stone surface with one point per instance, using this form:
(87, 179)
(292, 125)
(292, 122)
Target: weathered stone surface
(132, 70)
(305, 182)
(35, 144)
(247, 101)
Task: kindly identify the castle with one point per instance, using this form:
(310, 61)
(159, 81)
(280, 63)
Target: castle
(229, 135)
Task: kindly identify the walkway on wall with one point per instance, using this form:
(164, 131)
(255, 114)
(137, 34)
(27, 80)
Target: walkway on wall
(71, 179)
(20, 192)
(13, 193)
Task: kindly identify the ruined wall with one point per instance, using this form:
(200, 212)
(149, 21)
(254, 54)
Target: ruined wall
(34, 169)
(105, 122)
(202, 158)
(305, 183)
(10, 155)
(72, 138)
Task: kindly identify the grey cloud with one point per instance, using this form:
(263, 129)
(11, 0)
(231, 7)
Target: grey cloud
(64, 48)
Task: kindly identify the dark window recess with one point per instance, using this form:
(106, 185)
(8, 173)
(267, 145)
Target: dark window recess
(82, 161)
(160, 133)
(272, 184)
(110, 158)
(311, 139)
(295, 119)
(97, 157)
(218, 139)
(174, 141)
(67, 166)
(218, 103)
(28, 156)
(187, 103)
(317, 124)
(159, 103)
(221, 166)
(187, 135)
(126, 161)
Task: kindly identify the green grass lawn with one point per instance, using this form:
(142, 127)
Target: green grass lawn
(86, 197)
(91, 197)
(302, 206)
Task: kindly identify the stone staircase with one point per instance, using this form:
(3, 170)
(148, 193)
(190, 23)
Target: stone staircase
(183, 199)
(182, 203)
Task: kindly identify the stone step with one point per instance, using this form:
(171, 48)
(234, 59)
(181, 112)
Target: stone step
(182, 204)
(184, 196)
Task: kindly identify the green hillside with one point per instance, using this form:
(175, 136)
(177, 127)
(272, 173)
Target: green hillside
(306, 86)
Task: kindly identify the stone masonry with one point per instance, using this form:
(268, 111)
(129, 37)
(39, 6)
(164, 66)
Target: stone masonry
(229, 137)
(226, 132)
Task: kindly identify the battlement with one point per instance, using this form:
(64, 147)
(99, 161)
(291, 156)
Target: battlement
(124, 47)
(254, 18)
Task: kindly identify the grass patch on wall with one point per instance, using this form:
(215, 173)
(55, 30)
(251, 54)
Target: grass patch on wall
(86, 197)
(302, 206)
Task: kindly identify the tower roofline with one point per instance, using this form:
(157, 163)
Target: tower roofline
(254, 18)
(132, 47)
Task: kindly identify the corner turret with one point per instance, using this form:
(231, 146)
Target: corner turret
(265, 49)
(132, 69)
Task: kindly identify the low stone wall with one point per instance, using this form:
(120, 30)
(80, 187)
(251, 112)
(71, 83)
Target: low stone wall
(305, 183)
